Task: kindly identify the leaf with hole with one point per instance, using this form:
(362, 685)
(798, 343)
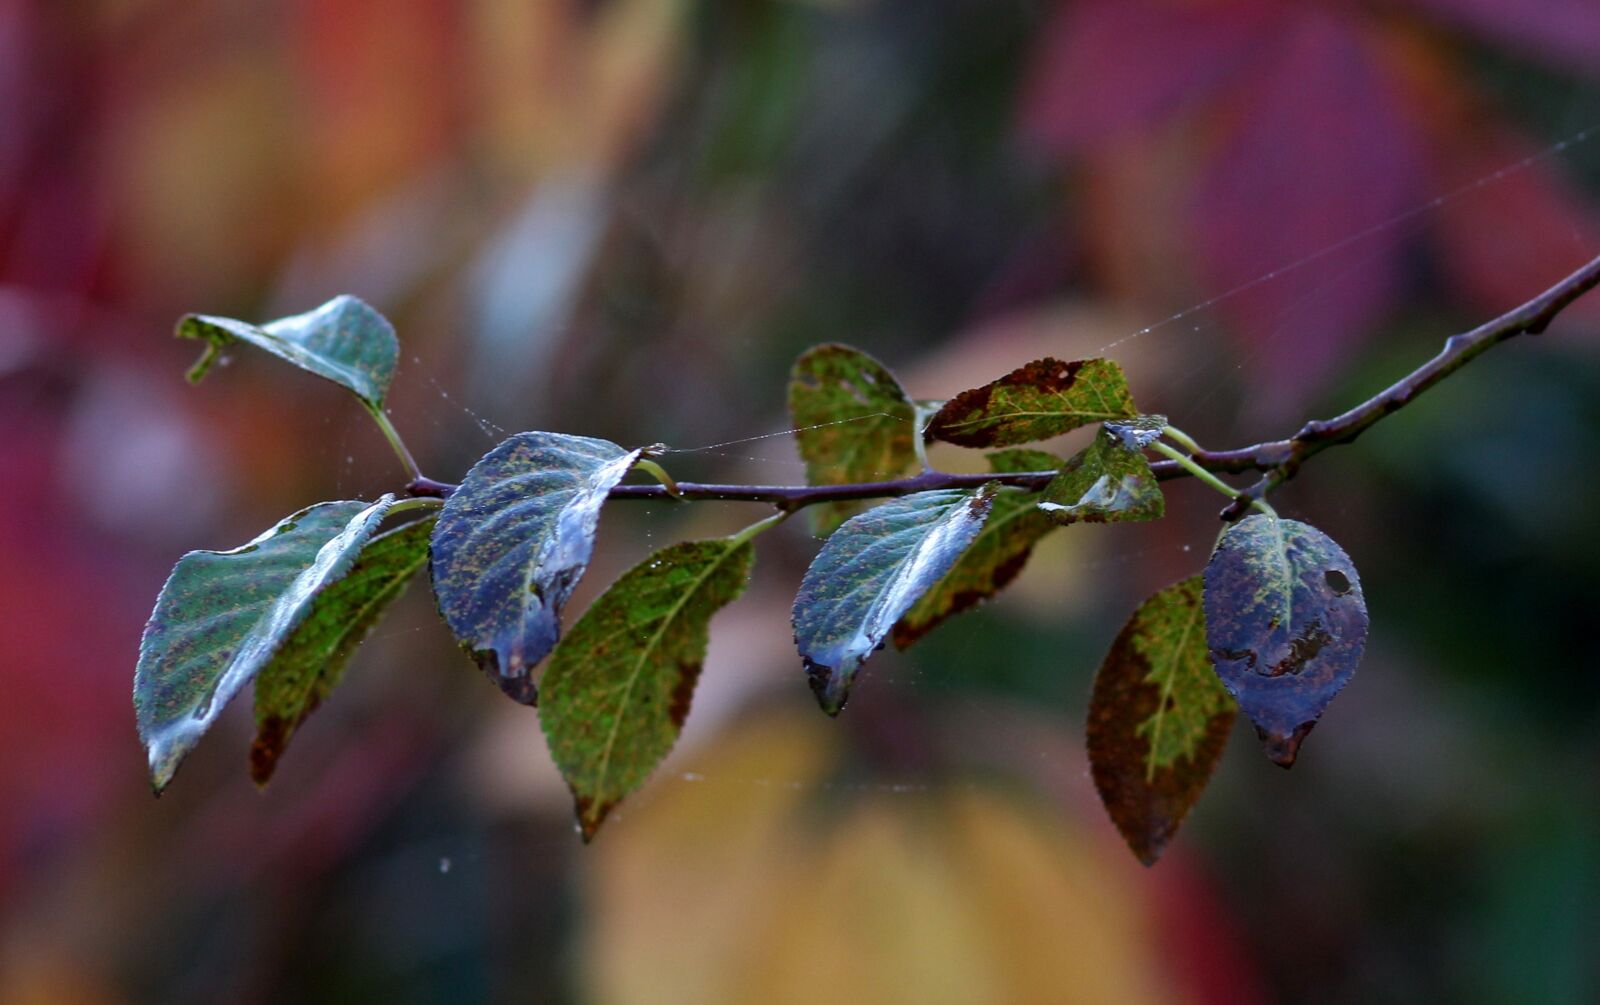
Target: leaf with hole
(512, 543)
(1285, 623)
(853, 421)
(1158, 719)
(1045, 398)
(1107, 481)
(869, 574)
(344, 341)
(310, 662)
(995, 556)
(620, 683)
(224, 615)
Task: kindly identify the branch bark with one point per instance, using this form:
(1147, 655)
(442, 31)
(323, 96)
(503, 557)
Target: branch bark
(1278, 460)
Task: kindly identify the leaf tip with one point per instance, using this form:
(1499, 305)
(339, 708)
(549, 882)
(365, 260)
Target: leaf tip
(590, 815)
(1283, 748)
(832, 690)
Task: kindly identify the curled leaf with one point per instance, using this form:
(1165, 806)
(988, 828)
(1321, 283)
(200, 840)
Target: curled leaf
(1107, 481)
(619, 684)
(1158, 719)
(224, 615)
(853, 421)
(1286, 624)
(1138, 432)
(995, 557)
(1045, 398)
(311, 660)
(344, 341)
(513, 541)
(869, 573)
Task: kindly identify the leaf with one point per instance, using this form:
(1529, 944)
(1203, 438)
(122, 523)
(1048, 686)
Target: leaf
(1138, 432)
(854, 424)
(869, 573)
(995, 556)
(1285, 625)
(223, 615)
(512, 543)
(344, 341)
(1045, 398)
(311, 660)
(1158, 719)
(619, 685)
(1107, 481)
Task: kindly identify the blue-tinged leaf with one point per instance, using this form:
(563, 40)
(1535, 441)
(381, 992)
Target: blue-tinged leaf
(1286, 624)
(512, 543)
(344, 341)
(223, 615)
(870, 573)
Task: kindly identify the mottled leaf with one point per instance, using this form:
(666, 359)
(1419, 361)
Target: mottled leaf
(869, 573)
(512, 543)
(1107, 481)
(344, 341)
(1158, 719)
(995, 556)
(619, 684)
(1045, 398)
(854, 423)
(311, 660)
(223, 615)
(1285, 625)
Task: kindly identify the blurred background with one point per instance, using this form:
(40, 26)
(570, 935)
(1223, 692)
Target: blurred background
(624, 218)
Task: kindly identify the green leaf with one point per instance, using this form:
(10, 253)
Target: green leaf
(1045, 398)
(1106, 481)
(344, 341)
(855, 424)
(869, 573)
(619, 685)
(311, 660)
(1158, 719)
(995, 556)
(1286, 624)
(512, 543)
(223, 615)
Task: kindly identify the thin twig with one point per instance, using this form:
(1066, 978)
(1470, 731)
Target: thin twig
(1280, 460)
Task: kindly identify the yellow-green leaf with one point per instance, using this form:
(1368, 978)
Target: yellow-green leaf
(1045, 398)
(312, 659)
(853, 421)
(620, 683)
(1158, 719)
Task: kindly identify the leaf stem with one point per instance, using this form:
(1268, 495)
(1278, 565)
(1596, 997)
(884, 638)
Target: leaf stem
(759, 527)
(650, 467)
(415, 502)
(1181, 438)
(1187, 463)
(393, 436)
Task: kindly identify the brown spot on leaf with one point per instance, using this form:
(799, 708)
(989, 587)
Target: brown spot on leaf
(683, 692)
(272, 735)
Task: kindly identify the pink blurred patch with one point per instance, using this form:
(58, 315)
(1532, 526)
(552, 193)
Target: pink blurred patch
(1316, 152)
(1504, 241)
(1562, 32)
(1109, 66)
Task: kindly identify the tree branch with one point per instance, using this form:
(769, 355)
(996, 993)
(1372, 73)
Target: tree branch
(1280, 460)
